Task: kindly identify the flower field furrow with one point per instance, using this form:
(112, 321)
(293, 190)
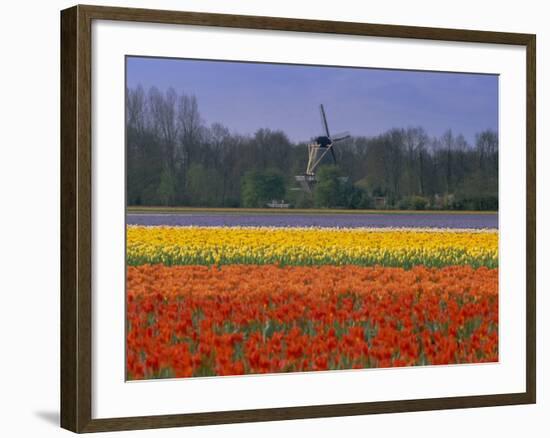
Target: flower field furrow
(310, 246)
(185, 321)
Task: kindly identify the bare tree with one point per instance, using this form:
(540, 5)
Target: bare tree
(189, 125)
(393, 159)
(448, 144)
(163, 108)
(136, 108)
(487, 149)
(416, 140)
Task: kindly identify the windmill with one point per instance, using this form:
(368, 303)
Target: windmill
(317, 150)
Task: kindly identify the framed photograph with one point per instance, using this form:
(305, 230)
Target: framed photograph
(269, 218)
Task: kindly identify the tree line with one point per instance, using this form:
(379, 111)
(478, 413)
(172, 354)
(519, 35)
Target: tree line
(175, 159)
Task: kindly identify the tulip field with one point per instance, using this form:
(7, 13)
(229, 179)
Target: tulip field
(230, 300)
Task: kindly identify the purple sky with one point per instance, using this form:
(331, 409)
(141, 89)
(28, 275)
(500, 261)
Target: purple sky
(248, 96)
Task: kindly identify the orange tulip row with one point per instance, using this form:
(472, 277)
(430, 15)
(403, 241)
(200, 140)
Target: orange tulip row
(185, 321)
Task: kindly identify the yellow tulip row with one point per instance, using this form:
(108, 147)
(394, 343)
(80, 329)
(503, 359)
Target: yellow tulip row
(311, 246)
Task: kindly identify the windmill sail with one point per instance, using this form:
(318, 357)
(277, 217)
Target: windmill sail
(340, 136)
(332, 153)
(324, 120)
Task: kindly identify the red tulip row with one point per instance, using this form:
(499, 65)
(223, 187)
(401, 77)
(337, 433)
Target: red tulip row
(185, 321)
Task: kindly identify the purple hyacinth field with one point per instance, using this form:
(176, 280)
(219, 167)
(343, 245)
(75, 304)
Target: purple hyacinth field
(375, 220)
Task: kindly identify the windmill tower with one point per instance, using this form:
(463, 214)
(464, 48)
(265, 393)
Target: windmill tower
(317, 150)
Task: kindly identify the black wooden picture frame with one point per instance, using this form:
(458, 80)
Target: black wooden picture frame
(76, 217)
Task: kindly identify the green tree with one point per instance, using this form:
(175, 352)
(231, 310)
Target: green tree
(166, 191)
(203, 186)
(258, 188)
(328, 191)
